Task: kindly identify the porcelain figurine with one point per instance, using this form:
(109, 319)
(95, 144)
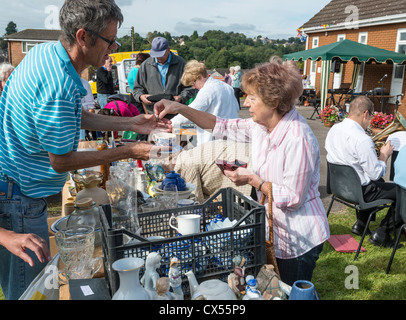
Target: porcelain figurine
(175, 279)
(130, 286)
(162, 289)
(210, 289)
(236, 279)
(251, 291)
(268, 282)
(151, 276)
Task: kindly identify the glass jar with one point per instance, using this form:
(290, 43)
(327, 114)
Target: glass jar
(85, 214)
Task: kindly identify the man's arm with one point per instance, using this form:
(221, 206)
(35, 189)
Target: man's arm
(143, 124)
(79, 160)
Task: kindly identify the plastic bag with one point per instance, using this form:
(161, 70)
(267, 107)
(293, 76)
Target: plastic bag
(46, 285)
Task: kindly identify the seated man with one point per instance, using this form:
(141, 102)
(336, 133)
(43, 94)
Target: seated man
(347, 143)
(198, 166)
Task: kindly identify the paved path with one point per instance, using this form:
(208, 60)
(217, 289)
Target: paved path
(320, 131)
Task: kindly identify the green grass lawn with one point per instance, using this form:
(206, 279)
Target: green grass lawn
(338, 277)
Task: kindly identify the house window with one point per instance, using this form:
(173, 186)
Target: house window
(315, 42)
(363, 37)
(28, 45)
(340, 37)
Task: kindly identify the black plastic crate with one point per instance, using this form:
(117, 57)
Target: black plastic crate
(208, 254)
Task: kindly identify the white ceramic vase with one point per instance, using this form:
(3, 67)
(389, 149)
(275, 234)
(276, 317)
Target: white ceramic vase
(130, 286)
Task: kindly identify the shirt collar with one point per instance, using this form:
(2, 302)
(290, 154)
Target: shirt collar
(63, 55)
(167, 61)
(282, 128)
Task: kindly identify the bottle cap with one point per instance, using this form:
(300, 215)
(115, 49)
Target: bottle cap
(85, 202)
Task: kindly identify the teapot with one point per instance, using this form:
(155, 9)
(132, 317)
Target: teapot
(210, 289)
(174, 178)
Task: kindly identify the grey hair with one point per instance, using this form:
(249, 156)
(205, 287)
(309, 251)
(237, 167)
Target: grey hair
(5, 68)
(90, 14)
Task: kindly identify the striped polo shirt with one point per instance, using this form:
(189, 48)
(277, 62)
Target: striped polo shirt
(40, 112)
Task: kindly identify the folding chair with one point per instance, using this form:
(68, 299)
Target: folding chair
(316, 105)
(344, 184)
(401, 211)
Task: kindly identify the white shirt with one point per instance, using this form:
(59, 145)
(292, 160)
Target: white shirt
(348, 144)
(88, 100)
(217, 98)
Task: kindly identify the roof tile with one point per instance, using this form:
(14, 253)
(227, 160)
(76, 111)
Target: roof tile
(334, 12)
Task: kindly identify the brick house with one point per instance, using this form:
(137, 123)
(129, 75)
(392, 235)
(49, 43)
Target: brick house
(20, 43)
(376, 23)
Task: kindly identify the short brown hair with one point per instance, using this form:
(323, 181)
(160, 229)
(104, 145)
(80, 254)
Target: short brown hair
(193, 70)
(275, 82)
(141, 57)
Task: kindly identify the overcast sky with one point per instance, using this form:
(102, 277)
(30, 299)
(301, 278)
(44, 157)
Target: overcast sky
(269, 18)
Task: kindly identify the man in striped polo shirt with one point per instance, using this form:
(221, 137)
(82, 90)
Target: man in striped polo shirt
(40, 122)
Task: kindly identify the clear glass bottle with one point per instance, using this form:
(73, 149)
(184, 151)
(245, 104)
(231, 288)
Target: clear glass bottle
(85, 213)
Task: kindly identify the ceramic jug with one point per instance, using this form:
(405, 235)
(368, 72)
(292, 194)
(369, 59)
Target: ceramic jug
(303, 290)
(129, 273)
(176, 179)
(91, 184)
(210, 289)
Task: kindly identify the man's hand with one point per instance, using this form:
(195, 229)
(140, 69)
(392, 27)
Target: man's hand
(144, 151)
(17, 244)
(147, 123)
(386, 151)
(144, 99)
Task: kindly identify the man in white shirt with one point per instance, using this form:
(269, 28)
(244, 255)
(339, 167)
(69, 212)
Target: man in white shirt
(347, 143)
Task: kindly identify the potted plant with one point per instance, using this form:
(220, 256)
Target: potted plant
(329, 115)
(380, 121)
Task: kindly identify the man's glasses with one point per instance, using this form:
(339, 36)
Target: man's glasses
(110, 42)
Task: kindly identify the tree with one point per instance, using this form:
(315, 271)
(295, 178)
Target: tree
(220, 49)
(194, 36)
(10, 29)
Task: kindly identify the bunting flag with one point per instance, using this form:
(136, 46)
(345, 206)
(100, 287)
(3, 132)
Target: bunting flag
(301, 35)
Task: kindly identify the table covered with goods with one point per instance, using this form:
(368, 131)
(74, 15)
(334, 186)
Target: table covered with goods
(139, 235)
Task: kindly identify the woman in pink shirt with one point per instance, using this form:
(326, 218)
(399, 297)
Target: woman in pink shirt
(285, 153)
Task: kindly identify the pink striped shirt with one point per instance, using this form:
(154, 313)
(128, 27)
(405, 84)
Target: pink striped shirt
(289, 157)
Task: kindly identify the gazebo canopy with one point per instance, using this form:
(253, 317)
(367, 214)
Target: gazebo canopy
(347, 50)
